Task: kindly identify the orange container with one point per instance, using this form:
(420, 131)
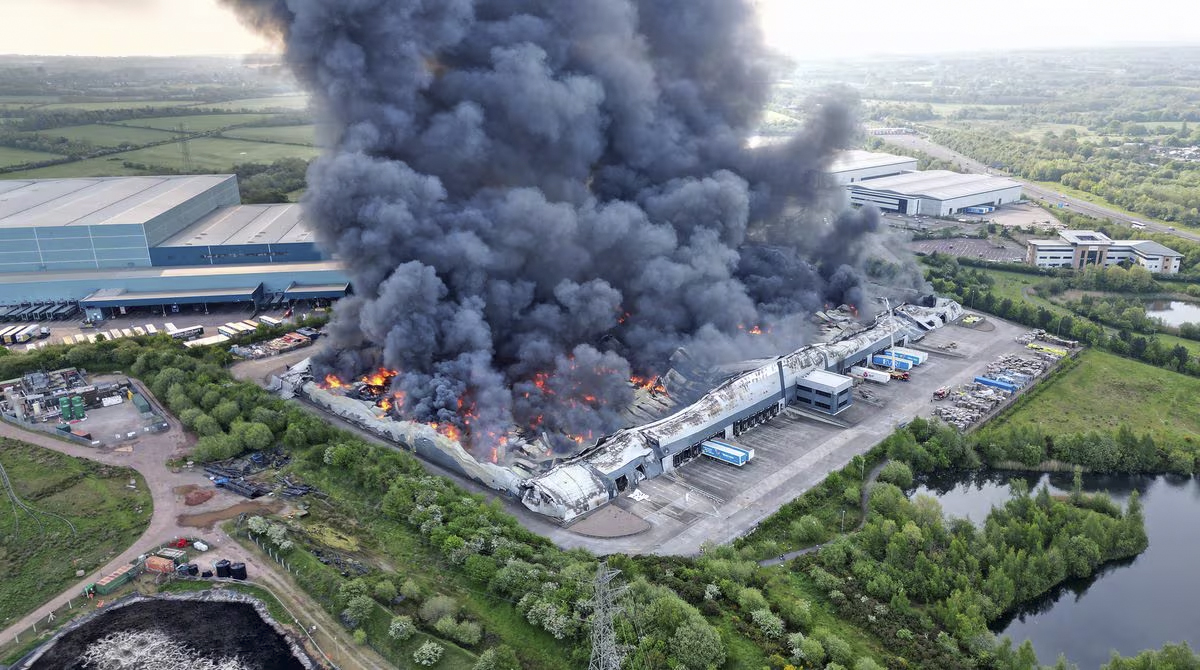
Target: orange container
(160, 564)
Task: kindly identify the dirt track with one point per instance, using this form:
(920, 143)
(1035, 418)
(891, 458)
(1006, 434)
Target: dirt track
(172, 518)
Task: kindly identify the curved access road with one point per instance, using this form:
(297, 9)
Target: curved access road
(149, 457)
(1036, 191)
(862, 520)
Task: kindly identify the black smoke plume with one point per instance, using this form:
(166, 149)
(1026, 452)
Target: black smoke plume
(536, 199)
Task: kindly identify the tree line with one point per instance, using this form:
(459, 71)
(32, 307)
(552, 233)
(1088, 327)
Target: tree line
(973, 288)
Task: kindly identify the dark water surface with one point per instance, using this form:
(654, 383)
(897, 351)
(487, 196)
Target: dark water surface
(214, 629)
(1128, 606)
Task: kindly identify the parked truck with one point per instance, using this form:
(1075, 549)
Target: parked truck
(870, 375)
(903, 357)
(913, 354)
(726, 453)
(884, 361)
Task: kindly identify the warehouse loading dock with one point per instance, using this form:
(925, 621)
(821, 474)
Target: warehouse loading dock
(316, 291)
(108, 302)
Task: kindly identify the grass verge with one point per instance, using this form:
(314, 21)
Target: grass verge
(38, 552)
(1103, 391)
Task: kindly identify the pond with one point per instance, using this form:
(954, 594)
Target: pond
(1128, 606)
(1173, 312)
(191, 634)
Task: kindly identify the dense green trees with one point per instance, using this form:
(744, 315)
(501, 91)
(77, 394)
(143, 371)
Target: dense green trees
(973, 287)
(969, 576)
(1170, 657)
(1127, 175)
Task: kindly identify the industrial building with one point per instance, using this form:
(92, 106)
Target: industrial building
(113, 243)
(1080, 248)
(854, 166)
(934, 192)
(810, 379)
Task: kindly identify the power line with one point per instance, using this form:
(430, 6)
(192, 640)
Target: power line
(606, 655)
(187, 151)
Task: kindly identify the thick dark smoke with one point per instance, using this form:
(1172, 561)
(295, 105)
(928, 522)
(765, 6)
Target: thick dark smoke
(537, 198)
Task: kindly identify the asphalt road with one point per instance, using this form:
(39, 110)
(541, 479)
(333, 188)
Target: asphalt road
(1035, 191)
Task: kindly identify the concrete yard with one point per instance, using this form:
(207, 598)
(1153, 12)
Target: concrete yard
(708, 501)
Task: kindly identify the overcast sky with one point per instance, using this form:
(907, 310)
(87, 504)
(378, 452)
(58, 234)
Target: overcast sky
(832, 29)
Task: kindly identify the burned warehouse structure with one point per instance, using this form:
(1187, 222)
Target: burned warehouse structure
(566, 488)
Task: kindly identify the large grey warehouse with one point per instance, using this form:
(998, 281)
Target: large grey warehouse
(934, 192)
(116, 242)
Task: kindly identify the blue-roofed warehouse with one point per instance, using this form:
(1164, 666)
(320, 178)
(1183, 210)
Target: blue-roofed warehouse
(120, 242)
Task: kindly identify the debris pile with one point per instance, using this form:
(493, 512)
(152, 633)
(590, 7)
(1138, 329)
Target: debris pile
(971, 403)
(279, 345)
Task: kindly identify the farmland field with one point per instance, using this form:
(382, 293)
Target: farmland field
(217, 154)
(117, 104)
(306, 135)
(279, 102)
(103, 135)
(197, 123)
(1104, 391)
(10, 156)
(107, 166)
(39, 560)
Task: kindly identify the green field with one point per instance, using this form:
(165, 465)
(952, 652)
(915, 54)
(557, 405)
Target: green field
(217, 154)
(198, 123)
(1103, 391)
(10, 156)
(29, 99)
(39, 560)
(107, 166)
(108, 135)
(279, 102)
(117, 104)
(1037, 130)
(1013, 285)
(306, 135)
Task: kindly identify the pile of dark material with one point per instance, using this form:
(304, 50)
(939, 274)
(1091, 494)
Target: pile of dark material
(294, 488)
(347, 566)
(232, 473)
(210, 629)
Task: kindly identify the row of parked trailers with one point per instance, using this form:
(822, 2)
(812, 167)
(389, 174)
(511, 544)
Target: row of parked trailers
(46, 312)
(895, 358)
(22, 333)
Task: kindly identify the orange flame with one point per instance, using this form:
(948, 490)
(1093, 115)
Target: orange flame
(495, 455)
(652, 384)
(332, 382)
(541, 381)
(379, 378)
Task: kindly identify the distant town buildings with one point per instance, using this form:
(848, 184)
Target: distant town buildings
(1079, 248)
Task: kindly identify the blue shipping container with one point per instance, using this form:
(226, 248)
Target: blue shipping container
(996, 384)
(726, 453)
(891, 361)
(904, 357)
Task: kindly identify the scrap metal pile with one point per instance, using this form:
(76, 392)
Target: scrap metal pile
(279, 345)
(1002, 377)
(1040, 335)
(233, 474)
